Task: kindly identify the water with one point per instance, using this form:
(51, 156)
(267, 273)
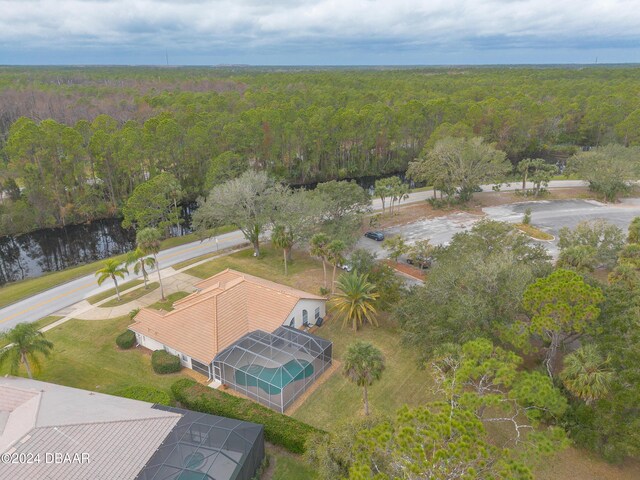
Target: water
(50, 250)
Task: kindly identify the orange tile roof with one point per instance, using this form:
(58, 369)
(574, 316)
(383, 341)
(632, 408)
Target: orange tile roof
(226, 306)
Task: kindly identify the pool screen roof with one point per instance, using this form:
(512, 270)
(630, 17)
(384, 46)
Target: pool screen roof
(206, 447)
(284, 345)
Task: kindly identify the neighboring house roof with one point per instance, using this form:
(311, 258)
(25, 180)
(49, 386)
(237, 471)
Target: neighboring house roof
(65, 433)
(43, 418)
(226, 306)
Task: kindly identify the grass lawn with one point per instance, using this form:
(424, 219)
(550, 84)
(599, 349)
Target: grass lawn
(199, 258)
(286, 466)
(167, 303)
(85, 356)
(402, 381)
(112, 291)
(16, 291)
(304, 272)
(43, 322)
(134, 295)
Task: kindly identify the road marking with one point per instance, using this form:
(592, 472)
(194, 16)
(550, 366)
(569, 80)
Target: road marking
(44, 302)
(88, 284)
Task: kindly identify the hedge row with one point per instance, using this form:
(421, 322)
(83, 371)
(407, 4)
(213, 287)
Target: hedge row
(278, 429)
(126, 340)
(146, 394)
(164, 362)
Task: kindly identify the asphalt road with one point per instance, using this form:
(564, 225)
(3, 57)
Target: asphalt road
(58, 298)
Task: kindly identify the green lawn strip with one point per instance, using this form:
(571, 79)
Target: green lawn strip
(43, 322)
(194, 237)
(167, 303)
(16, 291)
(129, 297)
(533, 232)
(111, 292)
(191, 261)
(85, 356)
(304, 272)
(287, 466)
(402, 382)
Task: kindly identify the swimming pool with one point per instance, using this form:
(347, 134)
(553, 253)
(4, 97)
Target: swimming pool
(273, 380)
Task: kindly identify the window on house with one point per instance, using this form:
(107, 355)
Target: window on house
(305, 317)
(317, 314)
(292, 323)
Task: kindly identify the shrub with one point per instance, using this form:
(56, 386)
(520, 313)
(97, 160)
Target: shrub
(126, 340)
(278, 429)
(145, 394)
(526, 219)
(163, 362)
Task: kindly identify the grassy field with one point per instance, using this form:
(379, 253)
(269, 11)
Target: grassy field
(200, 258)
(112, 291)
(167, 303)
(43, 322)
(85, 356)
(16, 291)
(285, 466)
(129, 297)
(402, 381)
(304, 272)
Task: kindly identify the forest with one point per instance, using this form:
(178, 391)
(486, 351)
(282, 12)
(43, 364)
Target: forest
(75, 142)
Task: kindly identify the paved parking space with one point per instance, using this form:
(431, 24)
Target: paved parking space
(549, 216)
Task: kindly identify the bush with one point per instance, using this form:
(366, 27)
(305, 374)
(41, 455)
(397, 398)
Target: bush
(163, 362)
(278, 429)
(526, 220)
(126, 340)
(145, 394)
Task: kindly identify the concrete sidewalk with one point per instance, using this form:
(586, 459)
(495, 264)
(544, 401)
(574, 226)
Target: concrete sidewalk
(172, 280)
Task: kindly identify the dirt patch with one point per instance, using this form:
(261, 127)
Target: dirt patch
(406, 269)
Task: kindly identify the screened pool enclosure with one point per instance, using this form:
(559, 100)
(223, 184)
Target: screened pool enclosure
(206, 447)
(273, 368)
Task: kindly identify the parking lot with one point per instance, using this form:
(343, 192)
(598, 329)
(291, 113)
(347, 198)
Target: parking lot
(549, 216)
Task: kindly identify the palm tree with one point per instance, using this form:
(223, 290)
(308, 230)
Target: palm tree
(586, 374)
(282, 238)
(355, 300)
(363, 365)
(334, 256)
(148, 240)
(318, 248)
(114, 270)
(140, 263)
(25, 342)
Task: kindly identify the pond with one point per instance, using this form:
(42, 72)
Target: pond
(49, 250)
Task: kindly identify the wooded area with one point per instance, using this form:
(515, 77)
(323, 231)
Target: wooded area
(75, 142)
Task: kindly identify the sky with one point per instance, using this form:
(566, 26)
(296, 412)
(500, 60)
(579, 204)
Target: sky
(318, 32)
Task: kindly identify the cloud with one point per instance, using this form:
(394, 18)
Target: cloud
(330, 25)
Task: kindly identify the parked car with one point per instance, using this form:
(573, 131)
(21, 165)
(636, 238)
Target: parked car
(420, 262)
(377, 236)
(346, 267)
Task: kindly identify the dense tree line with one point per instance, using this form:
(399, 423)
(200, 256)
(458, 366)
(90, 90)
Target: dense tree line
(76, 142)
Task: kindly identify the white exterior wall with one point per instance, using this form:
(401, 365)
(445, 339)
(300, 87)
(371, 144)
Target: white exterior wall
(154, 345)
(308, 305)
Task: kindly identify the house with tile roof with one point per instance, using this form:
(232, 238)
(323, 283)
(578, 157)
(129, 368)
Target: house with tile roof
(62, 433)
(224, 308)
